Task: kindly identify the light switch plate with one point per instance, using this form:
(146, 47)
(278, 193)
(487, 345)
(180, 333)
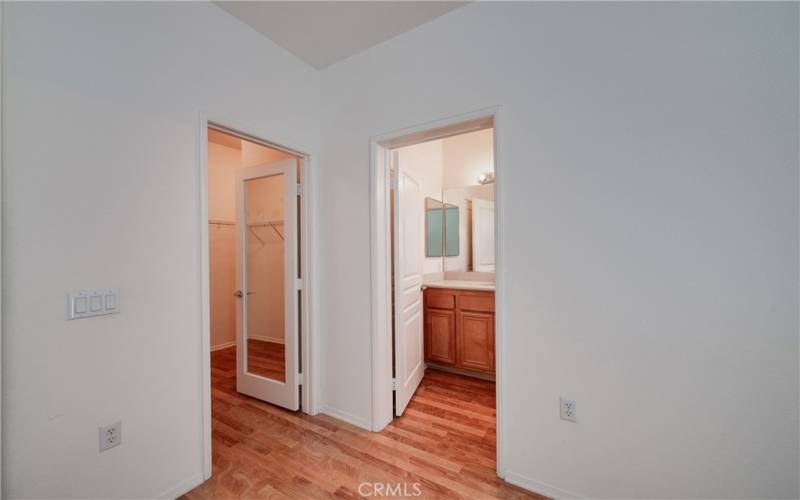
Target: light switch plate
(88, 303)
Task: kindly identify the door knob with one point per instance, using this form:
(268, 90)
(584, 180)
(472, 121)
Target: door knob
(238, 293)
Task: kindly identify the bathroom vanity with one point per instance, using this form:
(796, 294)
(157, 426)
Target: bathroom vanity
(458, 290)
(459, 326)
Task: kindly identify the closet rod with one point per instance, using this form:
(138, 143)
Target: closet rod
(253, 225)
(266, 223)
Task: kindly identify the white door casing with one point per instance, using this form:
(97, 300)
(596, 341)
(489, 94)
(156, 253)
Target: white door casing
(408, 256)
(282, 393)
(483, 236)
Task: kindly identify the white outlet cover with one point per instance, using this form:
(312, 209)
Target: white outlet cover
(110, 436)
(568, 410)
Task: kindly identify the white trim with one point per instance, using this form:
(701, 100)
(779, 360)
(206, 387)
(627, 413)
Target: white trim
(380, 242)
(264, 338)
(360, 422)
(540, 487)
(223, 345)
(309, 304)
(205, 304)
(182, 487)
(380, 269)
(2, 290)
(499, 292)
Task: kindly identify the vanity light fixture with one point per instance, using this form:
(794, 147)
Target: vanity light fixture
(486, 178)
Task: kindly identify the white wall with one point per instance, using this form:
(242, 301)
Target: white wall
(101, 189)
(223, 162)
(466, 156)
(649, 165)
(255, 154)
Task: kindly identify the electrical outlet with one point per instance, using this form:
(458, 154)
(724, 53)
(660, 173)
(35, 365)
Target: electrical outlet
(568, 410)
(110, 436)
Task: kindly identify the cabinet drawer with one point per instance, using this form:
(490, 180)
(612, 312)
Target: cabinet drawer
(440, 299)
(476, 302)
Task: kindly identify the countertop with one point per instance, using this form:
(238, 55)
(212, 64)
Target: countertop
(461, 285)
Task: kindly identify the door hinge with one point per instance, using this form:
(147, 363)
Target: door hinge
(299, 283)
(299, 189)
(299, 378)
(394, 384)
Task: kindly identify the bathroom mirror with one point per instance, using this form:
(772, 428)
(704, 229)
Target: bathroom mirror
(451, 230)
(434, 242)
(441, 229)
(469, 229)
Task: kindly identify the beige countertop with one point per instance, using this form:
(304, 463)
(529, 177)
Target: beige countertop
(461, 284)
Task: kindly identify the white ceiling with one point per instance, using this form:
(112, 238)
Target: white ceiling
(322, 33)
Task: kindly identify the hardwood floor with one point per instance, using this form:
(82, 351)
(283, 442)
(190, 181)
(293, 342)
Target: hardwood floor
(442, 447)
(266, 359)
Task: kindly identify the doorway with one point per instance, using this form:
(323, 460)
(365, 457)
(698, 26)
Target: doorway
(434, 267)
(255, 240)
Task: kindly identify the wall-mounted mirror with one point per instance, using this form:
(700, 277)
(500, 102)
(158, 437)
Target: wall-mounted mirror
(434, 228)
(451, 230)
(441, 229)
(470, 245)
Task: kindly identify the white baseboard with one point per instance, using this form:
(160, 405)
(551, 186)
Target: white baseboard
(232, 343)
(540, 487)
(347, 417)
(223, 345)
(183, 487)
(264, 338)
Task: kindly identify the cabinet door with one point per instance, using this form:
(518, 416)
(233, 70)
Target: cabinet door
(476, 341)
(440, 336)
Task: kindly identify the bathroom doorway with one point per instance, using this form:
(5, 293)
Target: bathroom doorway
(435, 312)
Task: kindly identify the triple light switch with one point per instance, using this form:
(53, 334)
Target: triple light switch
(87, 303)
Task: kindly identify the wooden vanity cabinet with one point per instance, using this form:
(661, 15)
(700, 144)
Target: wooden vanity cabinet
(459, 329)
(440, 336)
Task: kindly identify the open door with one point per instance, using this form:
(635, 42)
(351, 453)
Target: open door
(482, 235)
(408, 256)
(266, 280)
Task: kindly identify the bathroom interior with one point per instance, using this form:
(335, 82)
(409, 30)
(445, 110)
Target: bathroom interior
(455, 177)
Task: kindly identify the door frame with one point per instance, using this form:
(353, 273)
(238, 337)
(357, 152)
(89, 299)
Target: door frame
(309, 357)
(380, 242)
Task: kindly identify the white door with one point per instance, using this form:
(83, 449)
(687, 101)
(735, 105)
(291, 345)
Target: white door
(482, 235)
(266, 280)
(408, 259)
